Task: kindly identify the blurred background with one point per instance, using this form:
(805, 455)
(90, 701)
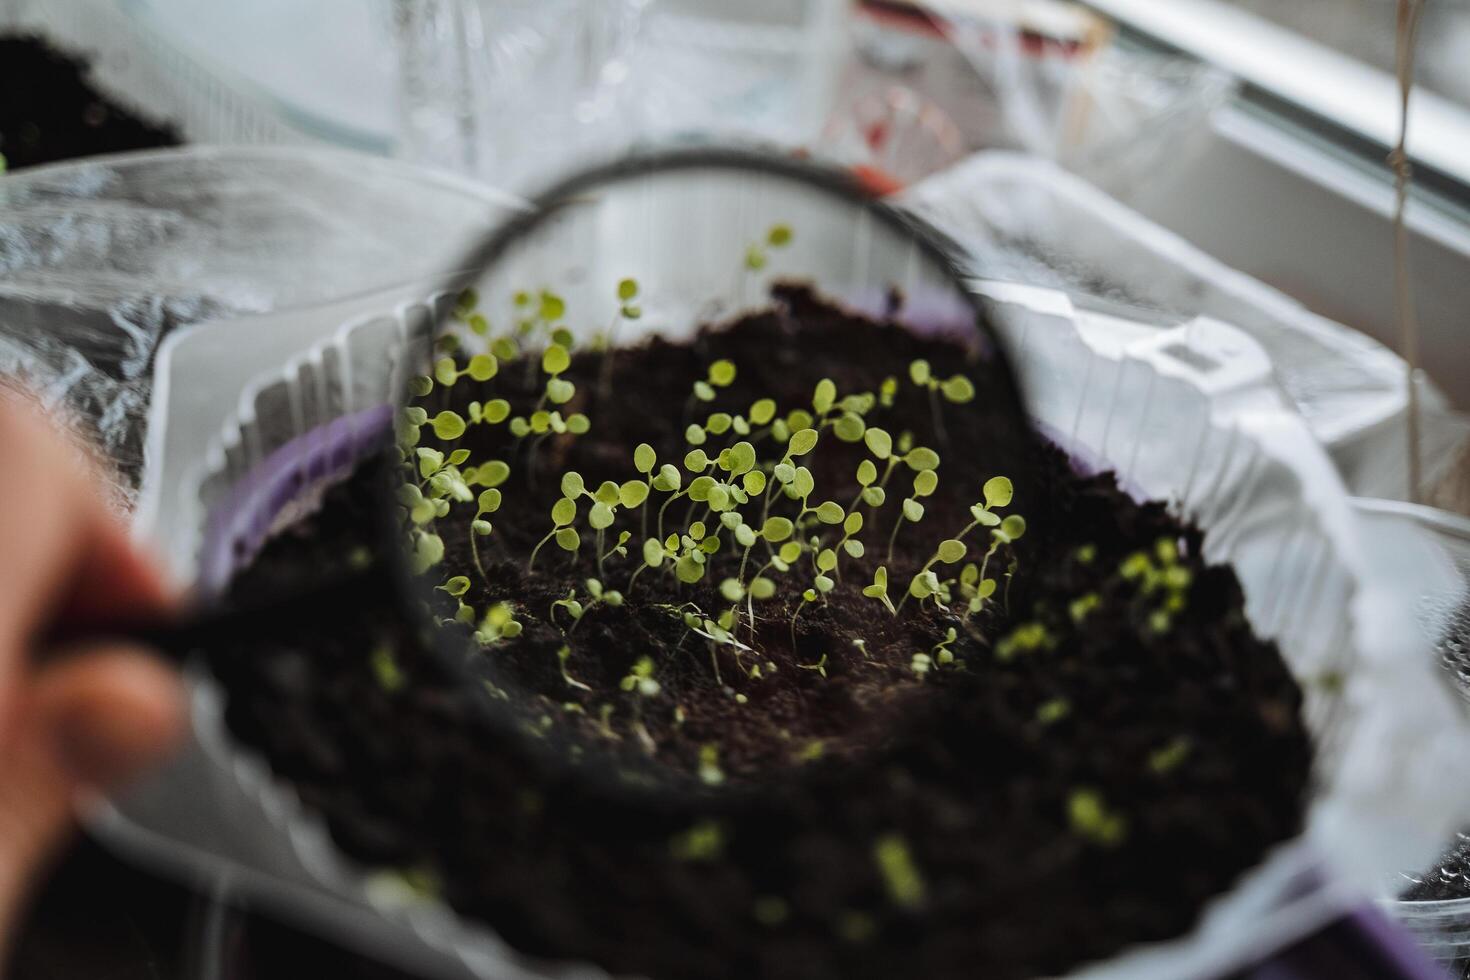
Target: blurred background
(1150, 161)
(1257, 134)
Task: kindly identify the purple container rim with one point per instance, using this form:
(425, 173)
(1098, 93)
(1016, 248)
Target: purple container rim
(238, 524)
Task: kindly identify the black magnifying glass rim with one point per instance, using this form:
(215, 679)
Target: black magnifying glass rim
(595, 774)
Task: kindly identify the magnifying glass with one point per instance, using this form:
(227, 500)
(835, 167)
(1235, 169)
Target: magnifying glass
(675, 430)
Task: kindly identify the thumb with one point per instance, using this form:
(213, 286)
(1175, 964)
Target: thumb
(115, 712)
(89, 721)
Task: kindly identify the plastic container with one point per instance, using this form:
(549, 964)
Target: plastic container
(586, 80)
(1025, 219)
(1438, 571)
(1187, 414)
(145, 70)
(326, 70)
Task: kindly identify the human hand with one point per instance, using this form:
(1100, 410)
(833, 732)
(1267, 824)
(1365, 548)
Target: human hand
(91, 719)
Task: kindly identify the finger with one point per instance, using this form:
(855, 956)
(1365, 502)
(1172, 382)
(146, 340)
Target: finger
(116, 712)
(93, 720)
(115, 581)
(65, 554)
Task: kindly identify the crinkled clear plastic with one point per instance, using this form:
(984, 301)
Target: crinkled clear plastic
(500, 87)
(100, 260)
(1026, 220)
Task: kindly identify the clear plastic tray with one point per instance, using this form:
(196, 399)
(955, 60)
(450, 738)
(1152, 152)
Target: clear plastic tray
(1438, 571)
(1187, 414)
(1028, 220)
(146, 71)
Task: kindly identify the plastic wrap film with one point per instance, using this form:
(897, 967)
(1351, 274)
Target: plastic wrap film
(146, 71)
(100, 260)
(504, 88)
(1187, 414)
(1051, 79)
(499, 87)
(1430, 551)
(1026, 220)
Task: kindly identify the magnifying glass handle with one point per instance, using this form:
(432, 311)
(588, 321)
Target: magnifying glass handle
(243, 626)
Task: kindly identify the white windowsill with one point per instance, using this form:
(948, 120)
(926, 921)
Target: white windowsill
(1320, 80)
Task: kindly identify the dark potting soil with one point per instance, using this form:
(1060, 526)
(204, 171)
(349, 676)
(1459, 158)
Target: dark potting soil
(1083, 777)
(50, 110)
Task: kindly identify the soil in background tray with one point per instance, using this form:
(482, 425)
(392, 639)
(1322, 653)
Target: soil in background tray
(1110, 748)
(50, 109)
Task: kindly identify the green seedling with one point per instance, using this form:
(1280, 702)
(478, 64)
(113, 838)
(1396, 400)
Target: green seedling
(466, 311)
(848, 544)
(1083, 606)
(808, 597)
(845, 416)
(1026, 638)
(426, 550)
(1173, 755)
(973, 589)
(576, 609)
(563, 514)
(900, 874)
(820, 667)
(499, 624)
(1092, 820)
(957, 390)
(1162, 580)
(926, 584)
(640, 679)
(879, 589)
(705, 841)
(941, 653)
(1053, 711)
(487, 503)
(710, 772)
(385, 668)
(628, 309)
(757, 254)
(562, 656)
(721, 374)
(641, 684)
(926, 481)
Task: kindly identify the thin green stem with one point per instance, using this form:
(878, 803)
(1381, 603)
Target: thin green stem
(750, 599)
(985, 562)
(634, 578)
(893, 462)
(672, 497)
(604, 378)
(793, 625)
(938, 414)
(534, 551)
(770, 492)
(927, 565)
(892, 538)
(578, 621)
(475, 554)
